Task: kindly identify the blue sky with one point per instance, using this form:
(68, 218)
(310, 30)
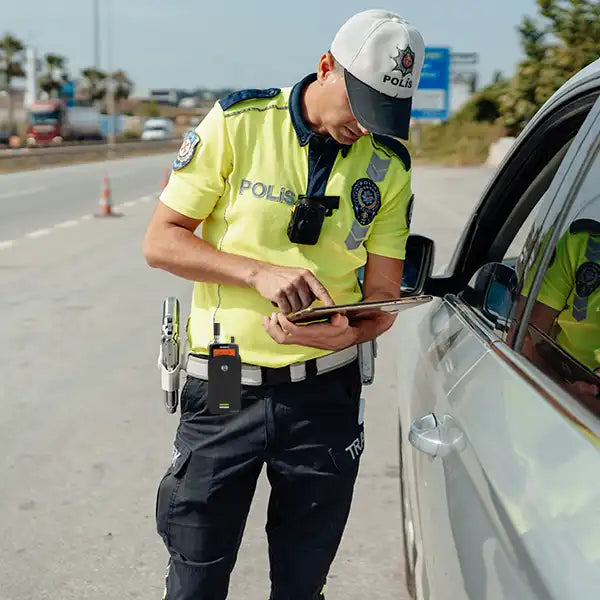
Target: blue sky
(237, 43)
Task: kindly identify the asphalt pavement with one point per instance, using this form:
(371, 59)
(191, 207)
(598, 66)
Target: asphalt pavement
(84, 436)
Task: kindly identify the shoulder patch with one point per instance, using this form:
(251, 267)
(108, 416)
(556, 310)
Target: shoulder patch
(242, 95)
(396, 147)
(186, 152)
(585, 226)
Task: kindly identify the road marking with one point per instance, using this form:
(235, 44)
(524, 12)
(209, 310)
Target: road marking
(6, 244)
(38, 233)
(87, 217)
(26, 192)
(147, 198)
(129, 203)
(66, 224)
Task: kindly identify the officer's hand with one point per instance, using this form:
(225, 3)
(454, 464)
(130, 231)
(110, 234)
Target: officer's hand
(335, 335)
(290, 289)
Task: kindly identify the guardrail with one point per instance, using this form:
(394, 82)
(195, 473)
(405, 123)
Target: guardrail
(15, 159)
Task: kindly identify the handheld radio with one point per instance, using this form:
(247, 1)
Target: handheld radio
(224, 375)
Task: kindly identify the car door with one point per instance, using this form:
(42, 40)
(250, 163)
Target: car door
(487, 431)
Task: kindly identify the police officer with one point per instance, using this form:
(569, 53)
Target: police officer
(241, 173)
(567, 307)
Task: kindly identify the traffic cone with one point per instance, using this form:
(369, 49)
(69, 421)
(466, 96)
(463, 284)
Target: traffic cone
(105, 199)
(166, 179)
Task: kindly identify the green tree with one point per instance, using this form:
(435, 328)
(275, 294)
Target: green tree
(484, 106)
(55, 75)
(93, 84)
(565, 39)
(11, 67)
(123, 85)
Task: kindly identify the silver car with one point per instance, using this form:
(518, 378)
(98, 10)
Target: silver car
(500, 406)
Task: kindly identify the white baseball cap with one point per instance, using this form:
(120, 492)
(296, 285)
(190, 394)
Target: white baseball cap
(382, 55)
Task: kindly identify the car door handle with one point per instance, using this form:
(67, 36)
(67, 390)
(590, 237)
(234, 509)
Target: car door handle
(437, 436)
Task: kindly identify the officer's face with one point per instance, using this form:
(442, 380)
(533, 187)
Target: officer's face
(336, 115)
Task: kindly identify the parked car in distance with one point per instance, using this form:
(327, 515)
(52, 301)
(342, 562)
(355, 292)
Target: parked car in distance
(157, 129)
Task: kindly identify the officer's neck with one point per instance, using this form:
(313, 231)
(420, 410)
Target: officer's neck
(310, 101)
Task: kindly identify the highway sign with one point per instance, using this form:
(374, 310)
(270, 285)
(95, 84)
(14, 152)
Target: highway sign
(432, 98)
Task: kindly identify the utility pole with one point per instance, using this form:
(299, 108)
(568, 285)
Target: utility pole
(110, 97)
(96, 33)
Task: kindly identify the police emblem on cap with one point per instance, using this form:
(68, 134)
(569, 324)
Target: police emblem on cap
(587, 279)
(366, 200)
(186, 152)
(405, 61)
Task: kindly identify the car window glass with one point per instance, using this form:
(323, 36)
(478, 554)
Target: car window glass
(493, 290)
(563, 332)
(518, 243)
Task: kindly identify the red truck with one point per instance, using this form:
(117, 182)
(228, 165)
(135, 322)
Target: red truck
(53, 122)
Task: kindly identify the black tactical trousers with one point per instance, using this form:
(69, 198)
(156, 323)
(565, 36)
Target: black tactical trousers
(310, 435)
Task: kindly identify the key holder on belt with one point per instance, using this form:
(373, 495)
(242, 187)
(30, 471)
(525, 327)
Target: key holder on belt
(224, 375)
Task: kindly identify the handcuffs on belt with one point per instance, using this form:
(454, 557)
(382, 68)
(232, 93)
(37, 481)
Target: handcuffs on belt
(224, 373)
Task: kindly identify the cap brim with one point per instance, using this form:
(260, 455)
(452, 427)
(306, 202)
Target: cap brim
(377, 112)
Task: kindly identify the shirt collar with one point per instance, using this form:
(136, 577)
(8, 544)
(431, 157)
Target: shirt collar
(303, 131)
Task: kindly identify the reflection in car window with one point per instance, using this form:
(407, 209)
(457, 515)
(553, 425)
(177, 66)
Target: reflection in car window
(563, 335)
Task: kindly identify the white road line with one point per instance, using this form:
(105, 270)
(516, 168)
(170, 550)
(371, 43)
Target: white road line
(129, 203)
(65, 224)
(38, 233)
(147, 198)
(6, 244)
(26, 192)
(87, 217)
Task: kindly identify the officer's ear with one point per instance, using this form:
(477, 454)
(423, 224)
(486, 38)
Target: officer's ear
(327, 68)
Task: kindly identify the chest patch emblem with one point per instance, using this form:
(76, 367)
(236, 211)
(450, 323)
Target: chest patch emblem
(587, 279)
(366, 200)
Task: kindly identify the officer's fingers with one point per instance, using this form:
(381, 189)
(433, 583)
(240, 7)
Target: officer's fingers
(293, 297)
(286, 325)
(283, 303)
(306, 296)
(318, 289)
(272, 327)
(340, 321)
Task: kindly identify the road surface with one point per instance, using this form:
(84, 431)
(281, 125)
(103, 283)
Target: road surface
(85, 438)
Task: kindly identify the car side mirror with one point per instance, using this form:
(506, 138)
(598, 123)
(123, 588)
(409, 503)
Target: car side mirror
(494, 292)
(418, 264)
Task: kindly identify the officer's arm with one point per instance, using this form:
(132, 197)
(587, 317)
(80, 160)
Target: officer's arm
(383, 277)
(543, 317)
(170, 244)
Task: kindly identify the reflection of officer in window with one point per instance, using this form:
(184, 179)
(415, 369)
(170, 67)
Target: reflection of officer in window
(240, 173)
(568, 304)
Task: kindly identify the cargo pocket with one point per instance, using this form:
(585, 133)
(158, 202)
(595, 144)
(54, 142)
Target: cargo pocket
(169, 487)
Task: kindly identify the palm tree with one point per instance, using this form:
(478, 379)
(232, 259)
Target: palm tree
(122, 84)
(11, 66)
(55, 76)
(93, 84)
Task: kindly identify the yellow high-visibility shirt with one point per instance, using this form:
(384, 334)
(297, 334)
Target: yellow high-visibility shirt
(241, 172)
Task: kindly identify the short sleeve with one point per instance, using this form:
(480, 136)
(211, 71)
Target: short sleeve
(391, 226)
(197, 182)
(559, 280)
